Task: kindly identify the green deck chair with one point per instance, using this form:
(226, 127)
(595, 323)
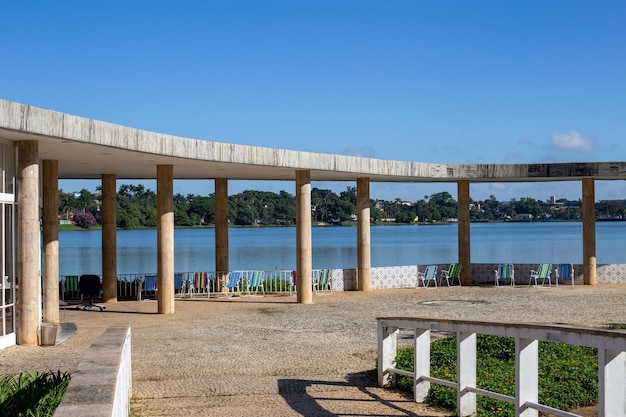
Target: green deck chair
(541, 273)
(70, 288)
(321, 280)
(452, 273)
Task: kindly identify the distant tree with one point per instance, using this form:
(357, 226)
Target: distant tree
(443, 206)
(203, 207)
(181, 218)
(245, 216)
(322, 202)
(349, 194)
(611, 209)
(404, 217)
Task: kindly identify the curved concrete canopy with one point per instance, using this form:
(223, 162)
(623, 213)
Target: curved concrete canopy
(87, 148)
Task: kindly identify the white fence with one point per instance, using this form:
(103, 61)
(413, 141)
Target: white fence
(611, 345)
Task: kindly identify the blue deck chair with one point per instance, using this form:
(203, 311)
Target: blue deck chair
(232, 286)
(321, 280)
(254, 283)
(541, 273)
(452, 273)
(564, 271)
(182, 285)
(505, 271)
(429, 275)
(70, 289)
(148, 285)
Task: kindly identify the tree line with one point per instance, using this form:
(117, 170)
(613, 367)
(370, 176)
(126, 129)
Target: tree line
(136, 208)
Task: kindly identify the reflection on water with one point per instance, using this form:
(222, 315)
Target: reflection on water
(335, 247)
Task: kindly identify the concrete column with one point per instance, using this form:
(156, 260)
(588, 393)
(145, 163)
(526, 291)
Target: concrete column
(221, 232)
(165, 239)
(304, 252)
(589, 232)
(109, 238)
(463, 191)
(28, 274)
(363, 244)
(50, 241)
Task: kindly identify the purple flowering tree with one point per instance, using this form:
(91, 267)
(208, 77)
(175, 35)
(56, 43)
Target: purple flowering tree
(84, 220)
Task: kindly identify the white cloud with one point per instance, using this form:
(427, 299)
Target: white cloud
(571, 141)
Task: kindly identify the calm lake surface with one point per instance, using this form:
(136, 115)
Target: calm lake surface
(335, 247)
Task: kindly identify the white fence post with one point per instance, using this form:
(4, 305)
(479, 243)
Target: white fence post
(466, 372)
(422, 364)
(387, 343)
(611, 383)
(526, 376)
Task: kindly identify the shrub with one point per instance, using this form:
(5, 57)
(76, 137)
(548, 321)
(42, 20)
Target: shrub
(84, 220)
(32, 395)
(567, 374)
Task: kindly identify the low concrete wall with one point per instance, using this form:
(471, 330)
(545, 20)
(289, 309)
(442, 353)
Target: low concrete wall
(404, 276)
(101, 385)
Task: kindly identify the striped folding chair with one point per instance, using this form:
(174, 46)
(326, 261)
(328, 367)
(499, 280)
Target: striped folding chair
(564, 271)
(254, 283)
(429, 275)
(232, 286)
(321, 280)
(452, 273)
(541, 273)
(147, 286)
(199, 283)
(70, 288)
(505, 271)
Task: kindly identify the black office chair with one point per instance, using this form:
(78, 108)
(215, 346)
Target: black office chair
(90, 287)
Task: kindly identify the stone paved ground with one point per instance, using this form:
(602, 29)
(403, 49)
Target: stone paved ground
(269, 356)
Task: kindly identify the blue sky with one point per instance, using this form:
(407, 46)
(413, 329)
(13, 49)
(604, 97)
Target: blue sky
(428, 81)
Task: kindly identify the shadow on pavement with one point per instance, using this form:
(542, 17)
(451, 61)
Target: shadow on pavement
(306, 396)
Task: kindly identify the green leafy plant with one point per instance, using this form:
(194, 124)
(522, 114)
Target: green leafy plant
(26, 395)
(567, 374)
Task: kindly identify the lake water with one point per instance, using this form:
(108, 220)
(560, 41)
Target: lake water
(274, 248)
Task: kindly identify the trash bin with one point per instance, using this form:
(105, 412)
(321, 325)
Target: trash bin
(48, 334)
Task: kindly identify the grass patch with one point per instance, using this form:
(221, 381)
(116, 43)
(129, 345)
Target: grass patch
(25, 395)
(567, 374)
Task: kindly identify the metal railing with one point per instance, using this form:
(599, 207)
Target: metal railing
(193, 284)
(611, 345)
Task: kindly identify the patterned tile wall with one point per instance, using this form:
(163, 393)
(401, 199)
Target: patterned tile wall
(482, 274)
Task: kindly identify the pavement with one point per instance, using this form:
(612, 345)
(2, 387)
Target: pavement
(269, 356)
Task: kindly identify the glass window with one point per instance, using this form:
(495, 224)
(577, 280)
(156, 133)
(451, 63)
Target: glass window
(7, 245)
